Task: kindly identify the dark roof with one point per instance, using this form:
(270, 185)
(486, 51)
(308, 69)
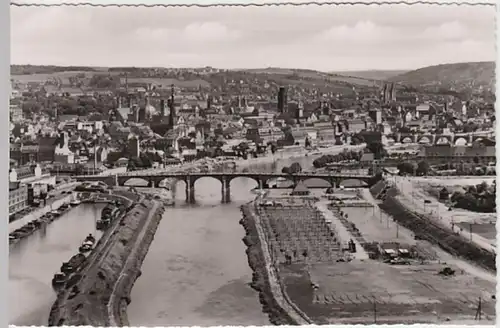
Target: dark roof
(13, 185)
(300, 188)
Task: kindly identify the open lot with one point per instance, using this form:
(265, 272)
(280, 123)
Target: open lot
(369, 292)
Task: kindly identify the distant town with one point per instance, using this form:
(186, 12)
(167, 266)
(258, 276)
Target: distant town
(81, 121)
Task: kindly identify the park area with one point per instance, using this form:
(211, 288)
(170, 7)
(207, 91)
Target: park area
(372, 292)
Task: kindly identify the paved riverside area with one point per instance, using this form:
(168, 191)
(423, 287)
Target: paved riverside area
(342, 232)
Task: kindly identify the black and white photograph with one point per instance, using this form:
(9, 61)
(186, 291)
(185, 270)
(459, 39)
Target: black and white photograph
(252, 165)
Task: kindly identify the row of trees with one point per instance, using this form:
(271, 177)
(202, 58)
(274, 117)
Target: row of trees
(478, 198)
(346, 155)
(408, 168)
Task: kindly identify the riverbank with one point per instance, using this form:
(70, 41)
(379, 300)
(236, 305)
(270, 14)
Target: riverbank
(101, 291)
(264, 278)
(14, 225)
(33, 225)
(292, 154)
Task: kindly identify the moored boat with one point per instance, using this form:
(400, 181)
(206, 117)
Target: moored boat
(90, 238)
(55, 213)
(86, 246)
(73, 264)
(109, 213)
(75, 202)
(102, 224)
(59, 280)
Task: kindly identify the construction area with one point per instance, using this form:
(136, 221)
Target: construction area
(402, 280)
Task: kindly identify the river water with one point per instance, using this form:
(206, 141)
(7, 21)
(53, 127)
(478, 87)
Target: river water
(34, 260)
(196, 272)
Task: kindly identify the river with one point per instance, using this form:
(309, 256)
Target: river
(196, 272)
(34, 260)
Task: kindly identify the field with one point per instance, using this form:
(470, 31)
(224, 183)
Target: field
(316, 76)
(372, 74)
(166, 82)
(64, 77)
(299, 234)
(486, 230)
(42, 77)
(369, 292)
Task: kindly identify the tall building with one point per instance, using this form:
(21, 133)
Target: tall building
(376, 115)
(282, 100)
(384, 93)
(172, 107)
(209, 102)
(133, 147)
(162, 108)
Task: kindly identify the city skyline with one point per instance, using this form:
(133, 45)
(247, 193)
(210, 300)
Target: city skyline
(322, 38)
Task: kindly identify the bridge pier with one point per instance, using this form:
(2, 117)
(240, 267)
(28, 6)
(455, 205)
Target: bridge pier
(190, 197)
(226, 191)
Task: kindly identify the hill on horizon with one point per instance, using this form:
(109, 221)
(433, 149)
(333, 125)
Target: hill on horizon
(372, 74)
(446, 75)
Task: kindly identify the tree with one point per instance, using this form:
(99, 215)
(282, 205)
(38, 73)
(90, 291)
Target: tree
(423, 168)
(405, 168)
(295, 168)
(285, 170)
(133, 164)
(377, 148)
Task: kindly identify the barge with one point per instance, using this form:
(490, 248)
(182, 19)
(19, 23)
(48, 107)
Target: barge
(109, 213)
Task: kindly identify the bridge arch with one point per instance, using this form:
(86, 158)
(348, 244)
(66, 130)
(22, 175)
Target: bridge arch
(461, 141)
(231, 179)
(478, 139)
(442, 140)
(289, 182)
(166, 182)
(424, 140)
(134, 182)
(406, 140)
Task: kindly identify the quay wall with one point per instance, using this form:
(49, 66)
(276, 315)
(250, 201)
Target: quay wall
(265, 279)
(98, 294)
(431, 231)
(38, 213)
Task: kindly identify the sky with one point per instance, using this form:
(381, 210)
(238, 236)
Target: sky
(333, 38)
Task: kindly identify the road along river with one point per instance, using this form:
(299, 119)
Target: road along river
(34, 260)
(196, 271)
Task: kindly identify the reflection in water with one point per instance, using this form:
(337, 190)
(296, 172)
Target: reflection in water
(34, 260)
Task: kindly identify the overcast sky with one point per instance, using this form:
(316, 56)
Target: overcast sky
(332, 38)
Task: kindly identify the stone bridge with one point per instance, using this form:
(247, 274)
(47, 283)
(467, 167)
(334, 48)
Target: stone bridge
(262, 179)
(435, 139)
